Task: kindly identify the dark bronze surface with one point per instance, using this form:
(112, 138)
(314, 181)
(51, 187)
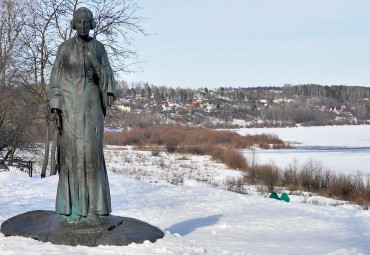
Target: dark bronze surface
(81, 89)
(48, 226)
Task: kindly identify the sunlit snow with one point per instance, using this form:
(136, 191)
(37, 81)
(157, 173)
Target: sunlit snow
(197, 220)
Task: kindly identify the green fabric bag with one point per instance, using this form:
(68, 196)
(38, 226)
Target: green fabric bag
(285, 197)
(274, 195)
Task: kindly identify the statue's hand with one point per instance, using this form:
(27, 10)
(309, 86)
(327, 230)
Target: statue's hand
(91, 56)
(90, 75)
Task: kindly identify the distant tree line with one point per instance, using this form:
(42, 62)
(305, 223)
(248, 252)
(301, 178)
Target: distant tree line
(338, 93)
(288, 105)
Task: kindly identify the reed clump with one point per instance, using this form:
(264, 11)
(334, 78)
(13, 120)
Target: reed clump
(313, 177)
(189, 136)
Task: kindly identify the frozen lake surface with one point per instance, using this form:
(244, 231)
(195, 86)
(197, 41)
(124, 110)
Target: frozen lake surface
(340, 148)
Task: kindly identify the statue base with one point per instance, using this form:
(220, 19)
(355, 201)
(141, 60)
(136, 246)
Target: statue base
(48, 226)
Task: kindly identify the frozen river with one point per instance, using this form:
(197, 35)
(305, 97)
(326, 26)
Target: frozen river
(339, 148)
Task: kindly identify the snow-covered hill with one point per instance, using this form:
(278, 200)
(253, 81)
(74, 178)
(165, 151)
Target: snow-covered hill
(197, 220)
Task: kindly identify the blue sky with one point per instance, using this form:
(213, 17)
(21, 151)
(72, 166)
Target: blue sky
(243, 43)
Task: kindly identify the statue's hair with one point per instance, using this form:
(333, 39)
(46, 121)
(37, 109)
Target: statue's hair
(89, 13)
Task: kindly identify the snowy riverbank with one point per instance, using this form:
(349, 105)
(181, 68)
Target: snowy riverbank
(197, 218)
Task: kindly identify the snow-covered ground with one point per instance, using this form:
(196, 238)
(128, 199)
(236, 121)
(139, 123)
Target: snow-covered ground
(166, 168)
(339, 148)
(198, 220)
(196, 217)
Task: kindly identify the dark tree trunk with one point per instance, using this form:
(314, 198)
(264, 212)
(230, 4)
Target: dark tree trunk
(52, 157)
(11, 155)
(46, 155)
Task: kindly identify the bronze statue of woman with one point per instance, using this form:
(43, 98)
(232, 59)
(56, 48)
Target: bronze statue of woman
(81, 89)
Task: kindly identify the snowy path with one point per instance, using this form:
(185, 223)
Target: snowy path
(197, 220)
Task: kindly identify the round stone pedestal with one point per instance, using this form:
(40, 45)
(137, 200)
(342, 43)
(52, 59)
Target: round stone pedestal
(48, 226)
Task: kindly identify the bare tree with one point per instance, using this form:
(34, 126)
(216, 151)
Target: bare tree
(41, 39)
(48, 25)
(116, 20)
(11, 25)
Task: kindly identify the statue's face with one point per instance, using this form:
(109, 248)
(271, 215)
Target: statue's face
(82, 24)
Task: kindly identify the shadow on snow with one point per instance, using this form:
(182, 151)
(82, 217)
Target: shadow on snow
(188, 226)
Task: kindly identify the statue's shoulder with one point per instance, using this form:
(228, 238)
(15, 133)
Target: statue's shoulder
(65, 45)
(97, 43)
(67, 42)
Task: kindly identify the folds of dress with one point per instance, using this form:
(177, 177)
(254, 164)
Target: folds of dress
(83, 182)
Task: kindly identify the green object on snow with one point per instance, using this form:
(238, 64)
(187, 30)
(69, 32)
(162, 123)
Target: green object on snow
(274, 195)
(285, 197)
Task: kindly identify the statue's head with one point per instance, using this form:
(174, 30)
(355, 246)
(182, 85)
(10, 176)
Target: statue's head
(83, 21)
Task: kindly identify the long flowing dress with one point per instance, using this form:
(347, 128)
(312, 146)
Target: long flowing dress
(83, 182)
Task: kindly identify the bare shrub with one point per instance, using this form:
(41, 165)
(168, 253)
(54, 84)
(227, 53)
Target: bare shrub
(171, 146)
(315, 202)
(261, 189)
(268, 174)
(155, 150)
(352, 188)
(114, 138)
(177, 179)
(171, 139)
(183, 157)
(195, 149)
(252, 167)
(313, 177)
(290, 176)
(155, 153)
(231, 158)
(156, 135)
(174, 136)
(310, 177)
(162, 164)
(235, 185)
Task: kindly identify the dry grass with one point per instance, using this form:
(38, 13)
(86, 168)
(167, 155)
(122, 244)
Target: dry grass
(174, 136)
(312, 177)
(221, 145)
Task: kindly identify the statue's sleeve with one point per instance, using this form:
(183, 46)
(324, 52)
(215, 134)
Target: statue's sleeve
(55, 91)
(106, 83)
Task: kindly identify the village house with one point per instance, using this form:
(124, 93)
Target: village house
(195, 106)
(336, 109)
(124, 108)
